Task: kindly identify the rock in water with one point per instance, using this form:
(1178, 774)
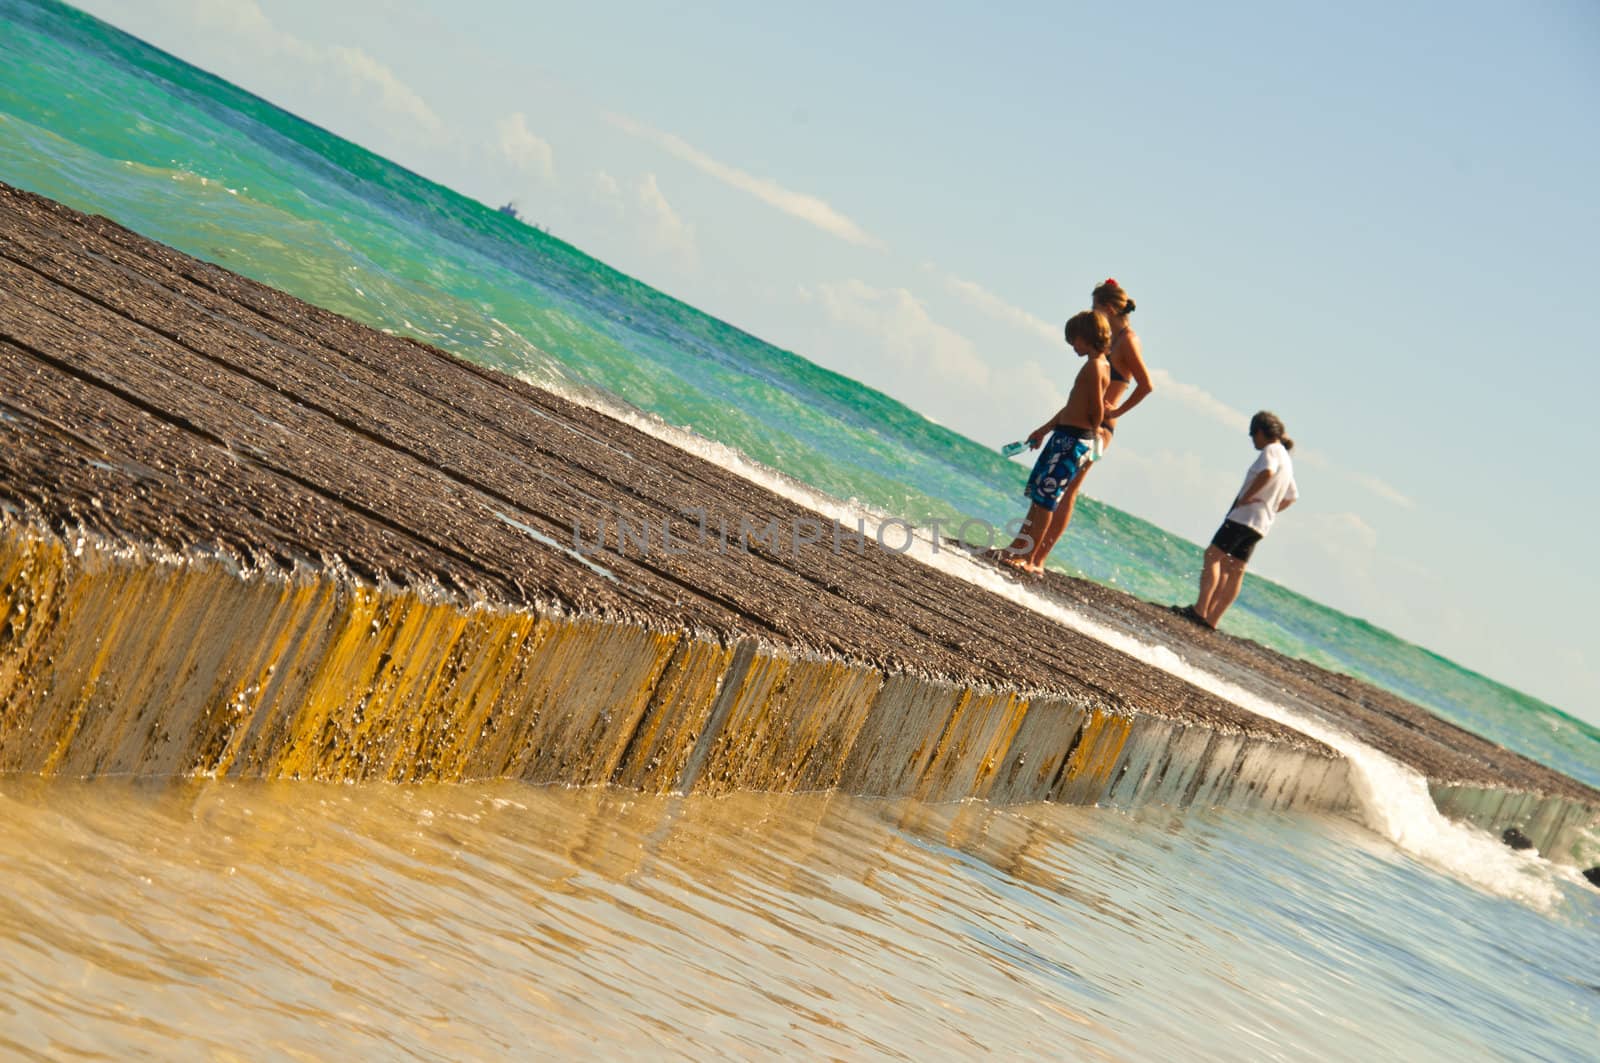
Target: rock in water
(1515, 838)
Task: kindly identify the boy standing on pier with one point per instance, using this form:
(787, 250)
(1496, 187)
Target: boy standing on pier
(1072, 434)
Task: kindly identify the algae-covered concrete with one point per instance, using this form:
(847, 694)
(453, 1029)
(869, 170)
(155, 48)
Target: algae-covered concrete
(242, 535)
(115, 660)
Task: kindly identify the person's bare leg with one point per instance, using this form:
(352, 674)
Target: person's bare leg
(1058, 522)
(1210, 580)
(1227, 590)
(1033, 526)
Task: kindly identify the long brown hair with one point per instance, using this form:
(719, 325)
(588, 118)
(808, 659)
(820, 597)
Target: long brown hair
(1113, 295)
(1271, 426)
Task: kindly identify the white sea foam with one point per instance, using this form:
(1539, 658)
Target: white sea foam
(1393, 798)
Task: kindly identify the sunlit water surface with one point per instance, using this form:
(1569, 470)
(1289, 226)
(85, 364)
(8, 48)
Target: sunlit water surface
(217, 919)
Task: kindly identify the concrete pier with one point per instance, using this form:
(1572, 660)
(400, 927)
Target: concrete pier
(240, 535)
(118, 660)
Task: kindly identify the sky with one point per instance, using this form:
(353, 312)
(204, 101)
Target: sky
(1377, 220)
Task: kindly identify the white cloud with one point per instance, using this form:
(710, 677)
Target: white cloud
(1039, 384)
(365, 73)
(1178, 490)
(243, 24)
(246, 19)
(983, 299)
(522, 148)
(647, 216)
(1196, 398)
(1371, 483)
(608, 193)
(1382, 489)
(1334, 558)
(807, 208)
(665, 229)
(1208, 405)
(1343, 535)
(902, 326)
(1199, 400)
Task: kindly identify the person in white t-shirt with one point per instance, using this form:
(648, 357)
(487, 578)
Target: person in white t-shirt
(1269, 489)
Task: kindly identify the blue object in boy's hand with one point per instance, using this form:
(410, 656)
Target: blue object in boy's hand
(1012, 449)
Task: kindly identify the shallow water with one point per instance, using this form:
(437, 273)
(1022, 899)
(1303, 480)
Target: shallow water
(211, 919)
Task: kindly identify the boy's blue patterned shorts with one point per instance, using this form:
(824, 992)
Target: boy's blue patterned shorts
(1062, 458)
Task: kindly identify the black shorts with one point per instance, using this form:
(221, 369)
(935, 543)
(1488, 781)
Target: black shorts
(1236, 540)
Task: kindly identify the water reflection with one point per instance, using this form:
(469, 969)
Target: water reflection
(217, 918)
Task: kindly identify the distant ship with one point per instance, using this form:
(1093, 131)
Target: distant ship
(510, 211)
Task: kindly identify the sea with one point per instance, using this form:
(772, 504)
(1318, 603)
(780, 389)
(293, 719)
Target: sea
(227, 919)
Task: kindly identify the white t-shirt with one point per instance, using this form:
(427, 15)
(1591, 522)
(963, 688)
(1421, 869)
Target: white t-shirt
(1279, 488)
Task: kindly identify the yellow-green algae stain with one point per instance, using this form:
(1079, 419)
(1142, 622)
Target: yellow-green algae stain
(120, 661)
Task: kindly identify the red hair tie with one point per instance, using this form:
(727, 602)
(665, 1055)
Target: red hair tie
(1111, 282)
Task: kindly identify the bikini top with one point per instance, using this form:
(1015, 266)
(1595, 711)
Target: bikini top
(1118, 377)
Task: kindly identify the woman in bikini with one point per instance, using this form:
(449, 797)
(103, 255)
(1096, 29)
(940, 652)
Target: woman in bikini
(1127, 366)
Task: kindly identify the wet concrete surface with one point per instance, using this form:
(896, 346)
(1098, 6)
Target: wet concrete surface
(150, 398)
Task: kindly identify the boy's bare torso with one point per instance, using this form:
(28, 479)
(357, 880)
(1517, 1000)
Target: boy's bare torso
(1086, 405)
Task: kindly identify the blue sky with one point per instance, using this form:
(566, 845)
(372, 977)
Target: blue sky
(1377, 220)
